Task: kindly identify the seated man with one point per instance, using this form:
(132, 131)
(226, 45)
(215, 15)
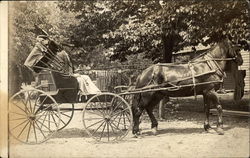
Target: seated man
(45, 45)
(67, 65)
(33, 61)
(48, 55)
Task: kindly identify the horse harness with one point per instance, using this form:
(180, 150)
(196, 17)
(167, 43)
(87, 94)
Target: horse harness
(211, 63)
(213, 66)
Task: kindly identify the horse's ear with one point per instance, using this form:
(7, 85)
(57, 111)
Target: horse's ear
(228, 42)
(234, 51)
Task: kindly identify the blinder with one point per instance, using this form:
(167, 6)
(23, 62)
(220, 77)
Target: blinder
(234, 52)
(237, 58)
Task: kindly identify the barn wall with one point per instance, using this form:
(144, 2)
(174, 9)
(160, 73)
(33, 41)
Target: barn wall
(229, 83)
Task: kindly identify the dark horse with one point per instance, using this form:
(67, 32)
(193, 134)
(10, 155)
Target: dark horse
(200, 76)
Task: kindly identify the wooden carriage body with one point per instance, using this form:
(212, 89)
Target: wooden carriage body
(63, 88)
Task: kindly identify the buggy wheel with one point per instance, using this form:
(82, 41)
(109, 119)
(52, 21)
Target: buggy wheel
(34, 116)
(107, 117)
(128, 98)
(67, 112)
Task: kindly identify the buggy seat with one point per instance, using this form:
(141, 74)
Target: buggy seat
(63, 88)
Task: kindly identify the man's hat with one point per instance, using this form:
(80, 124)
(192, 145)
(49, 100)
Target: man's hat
(38, 31)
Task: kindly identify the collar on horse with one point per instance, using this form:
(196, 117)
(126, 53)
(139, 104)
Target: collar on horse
(211, 62)
(213, 65)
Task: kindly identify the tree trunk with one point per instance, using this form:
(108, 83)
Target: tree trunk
(168, 46)
(14, 80)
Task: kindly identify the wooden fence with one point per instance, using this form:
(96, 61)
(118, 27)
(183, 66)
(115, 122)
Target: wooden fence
(106, 80)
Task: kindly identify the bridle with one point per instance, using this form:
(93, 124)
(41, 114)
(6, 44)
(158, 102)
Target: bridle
(216, 60)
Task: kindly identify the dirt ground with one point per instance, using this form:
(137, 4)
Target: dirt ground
(180, 135)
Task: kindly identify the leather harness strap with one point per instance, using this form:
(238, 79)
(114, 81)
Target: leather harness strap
(191, 66)
(213, 65)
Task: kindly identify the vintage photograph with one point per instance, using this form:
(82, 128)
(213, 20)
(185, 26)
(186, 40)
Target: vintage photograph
(127, 78)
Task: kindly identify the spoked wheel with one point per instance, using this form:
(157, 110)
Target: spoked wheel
(67, 112)
(107, 117)
(128, 98)
(34, 116)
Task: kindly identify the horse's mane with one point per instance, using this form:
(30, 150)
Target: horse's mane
(222, 44)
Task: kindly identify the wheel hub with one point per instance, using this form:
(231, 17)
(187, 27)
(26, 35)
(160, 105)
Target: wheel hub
(107, 118)
(32, 117)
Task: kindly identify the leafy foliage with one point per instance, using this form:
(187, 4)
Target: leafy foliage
(100, 32)
(133, 27)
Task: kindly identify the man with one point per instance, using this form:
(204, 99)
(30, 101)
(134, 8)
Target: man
(67, 66)
(33, 61)
(48, 55)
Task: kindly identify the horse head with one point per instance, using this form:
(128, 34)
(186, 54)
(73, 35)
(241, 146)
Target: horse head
(234, 52)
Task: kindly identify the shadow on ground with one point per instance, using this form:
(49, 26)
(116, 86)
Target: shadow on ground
(182, 131)
(71, 133)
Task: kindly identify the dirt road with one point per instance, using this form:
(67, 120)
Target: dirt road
(179, 136)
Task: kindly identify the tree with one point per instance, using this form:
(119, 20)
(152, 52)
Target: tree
(23, 17)
(187, 23)
(150, 27)
(20, 39)
(100, 31)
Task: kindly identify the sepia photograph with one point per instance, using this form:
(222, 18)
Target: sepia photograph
(125, 78)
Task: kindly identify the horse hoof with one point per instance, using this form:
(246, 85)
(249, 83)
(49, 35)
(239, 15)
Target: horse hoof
(220, 131)
(137, 136)
(207, 127)
(137, 132)
(210, 130)
(154, 131)
(162, 119)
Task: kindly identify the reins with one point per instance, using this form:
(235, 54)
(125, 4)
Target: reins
(197, 61)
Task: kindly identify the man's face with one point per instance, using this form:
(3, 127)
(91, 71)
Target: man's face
(45, 41)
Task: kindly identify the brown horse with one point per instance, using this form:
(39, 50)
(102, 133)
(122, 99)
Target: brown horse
(201, 76)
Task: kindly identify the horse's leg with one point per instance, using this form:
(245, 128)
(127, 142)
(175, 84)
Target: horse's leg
(154, 122)
(162, 107)
(137, 109)
(154, 100)
(136, 121)
(207, 126)
(215, 101)
(220, 130)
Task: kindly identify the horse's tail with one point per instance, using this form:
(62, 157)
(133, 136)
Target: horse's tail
(136, 101)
